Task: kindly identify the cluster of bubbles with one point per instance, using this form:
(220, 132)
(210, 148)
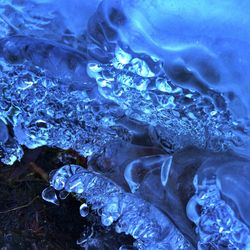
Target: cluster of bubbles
(47, 110)
(217, 224)
(180, 117)
(42, 111)
(131, 215)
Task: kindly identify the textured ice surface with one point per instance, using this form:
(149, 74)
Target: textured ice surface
(44, 111)
(179, 116)
(95, 94)
(154, 93)
(132, 215)
(47, 104)
(217, 224)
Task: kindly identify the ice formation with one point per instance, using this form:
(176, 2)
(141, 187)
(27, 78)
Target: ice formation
(155, 98)
(132, 215)
(217, 224)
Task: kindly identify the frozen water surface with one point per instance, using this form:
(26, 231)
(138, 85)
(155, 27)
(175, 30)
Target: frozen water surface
(155, 93)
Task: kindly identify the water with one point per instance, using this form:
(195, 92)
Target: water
(155, 98)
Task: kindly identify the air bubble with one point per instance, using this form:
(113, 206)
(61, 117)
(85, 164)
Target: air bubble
(84, 210)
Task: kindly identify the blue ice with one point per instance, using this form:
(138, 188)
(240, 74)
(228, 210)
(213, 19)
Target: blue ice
(154, 94)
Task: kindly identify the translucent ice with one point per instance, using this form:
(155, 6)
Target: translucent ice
(154, 93)
(49, 195)
(4, 135)
(132, 215)
(217, 224)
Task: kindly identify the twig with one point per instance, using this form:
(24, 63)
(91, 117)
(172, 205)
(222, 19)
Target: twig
(36, 169)
(20, 207)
